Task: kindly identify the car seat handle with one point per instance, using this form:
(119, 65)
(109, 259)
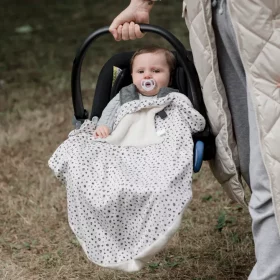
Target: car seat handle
(79, 111)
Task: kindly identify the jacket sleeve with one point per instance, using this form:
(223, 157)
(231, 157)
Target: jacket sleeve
(185, 14)
(109, 113)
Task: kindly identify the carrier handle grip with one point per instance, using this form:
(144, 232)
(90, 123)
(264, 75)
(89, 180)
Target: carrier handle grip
(79, 111)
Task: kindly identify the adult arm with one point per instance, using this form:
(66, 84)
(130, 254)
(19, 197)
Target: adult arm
(125, 25)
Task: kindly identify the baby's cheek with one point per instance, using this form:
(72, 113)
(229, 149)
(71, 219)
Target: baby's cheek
(138, 87)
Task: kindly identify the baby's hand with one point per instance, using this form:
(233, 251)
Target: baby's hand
(101, 131)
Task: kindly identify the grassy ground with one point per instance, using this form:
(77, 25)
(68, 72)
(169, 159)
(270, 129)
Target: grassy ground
(214, 242)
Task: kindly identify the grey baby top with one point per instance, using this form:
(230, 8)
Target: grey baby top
(126, 94)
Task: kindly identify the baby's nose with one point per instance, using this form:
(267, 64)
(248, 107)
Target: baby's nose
(147, 76)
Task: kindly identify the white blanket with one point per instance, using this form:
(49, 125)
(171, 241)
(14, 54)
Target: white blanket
(127, 193)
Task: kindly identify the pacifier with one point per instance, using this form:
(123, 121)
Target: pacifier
(148, 84)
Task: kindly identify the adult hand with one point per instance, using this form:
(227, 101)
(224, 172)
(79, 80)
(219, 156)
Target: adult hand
(101, 131)
(125, 27)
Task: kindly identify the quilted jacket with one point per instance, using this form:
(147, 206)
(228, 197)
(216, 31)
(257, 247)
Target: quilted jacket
(257, 27)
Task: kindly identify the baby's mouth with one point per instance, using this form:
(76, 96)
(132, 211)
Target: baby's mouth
(148, 85)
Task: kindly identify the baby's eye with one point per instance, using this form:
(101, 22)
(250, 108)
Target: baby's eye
(140, 71)
(156, 70)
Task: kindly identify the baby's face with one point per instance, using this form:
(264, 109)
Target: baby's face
(150, 66)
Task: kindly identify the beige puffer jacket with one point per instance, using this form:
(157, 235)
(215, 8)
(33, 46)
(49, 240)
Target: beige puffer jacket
(257, 28)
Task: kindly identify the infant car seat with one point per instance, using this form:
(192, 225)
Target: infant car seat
(184, 79)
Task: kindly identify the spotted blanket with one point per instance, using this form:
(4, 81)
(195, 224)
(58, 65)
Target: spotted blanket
(126, 194)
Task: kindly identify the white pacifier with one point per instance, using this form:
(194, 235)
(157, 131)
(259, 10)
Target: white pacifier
(148, 84)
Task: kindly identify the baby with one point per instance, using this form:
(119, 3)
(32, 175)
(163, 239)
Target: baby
(151, 70)
(126, 198)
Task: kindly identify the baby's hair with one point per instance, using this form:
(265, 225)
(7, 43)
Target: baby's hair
(170, 58)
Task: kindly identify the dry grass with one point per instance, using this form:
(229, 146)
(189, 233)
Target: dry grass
(36, 111)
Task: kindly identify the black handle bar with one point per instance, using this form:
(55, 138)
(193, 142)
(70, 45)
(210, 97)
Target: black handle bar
(79, 111)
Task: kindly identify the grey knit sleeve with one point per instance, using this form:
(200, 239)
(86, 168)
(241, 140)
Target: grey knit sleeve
(109, 113)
